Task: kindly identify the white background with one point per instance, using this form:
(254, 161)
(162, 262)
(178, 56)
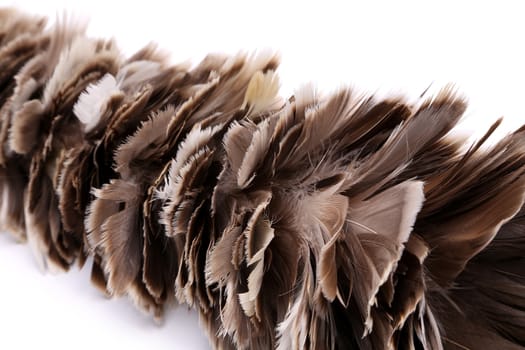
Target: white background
(380, 47)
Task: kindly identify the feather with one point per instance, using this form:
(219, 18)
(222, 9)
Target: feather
(24, 135)
(119, 236)
(259, 234)
(261, 92)
(88, 109)
(257, 149)
(321, 221)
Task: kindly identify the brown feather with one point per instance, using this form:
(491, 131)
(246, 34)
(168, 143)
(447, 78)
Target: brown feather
(321, 221)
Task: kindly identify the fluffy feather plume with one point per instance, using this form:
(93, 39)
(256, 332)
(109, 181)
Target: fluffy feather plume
(315, 222)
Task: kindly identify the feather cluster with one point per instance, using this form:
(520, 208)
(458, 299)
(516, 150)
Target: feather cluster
(337, 221)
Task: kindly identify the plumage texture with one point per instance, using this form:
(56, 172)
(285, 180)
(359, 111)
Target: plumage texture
(338, 221)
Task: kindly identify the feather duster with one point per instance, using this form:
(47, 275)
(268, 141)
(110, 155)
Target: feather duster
(339, 221)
